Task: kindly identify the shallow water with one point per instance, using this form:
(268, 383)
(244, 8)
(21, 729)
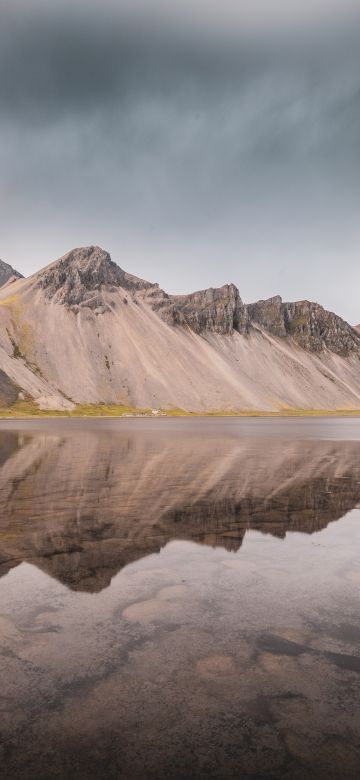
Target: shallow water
(180, 598)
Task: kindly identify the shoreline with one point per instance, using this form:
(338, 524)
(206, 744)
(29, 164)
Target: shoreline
(77, 415)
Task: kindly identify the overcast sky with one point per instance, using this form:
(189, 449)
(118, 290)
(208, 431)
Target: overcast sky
(199, 142)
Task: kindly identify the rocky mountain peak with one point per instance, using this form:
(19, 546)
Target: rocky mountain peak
(7, 273)
(309, 324)
(78, 278)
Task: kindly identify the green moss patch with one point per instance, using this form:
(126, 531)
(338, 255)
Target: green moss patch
(28, 408)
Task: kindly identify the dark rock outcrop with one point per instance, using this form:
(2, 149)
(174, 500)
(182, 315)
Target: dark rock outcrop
(7, 273)
(78, 278)
(310, 325)
(216, 309)
(9, 392)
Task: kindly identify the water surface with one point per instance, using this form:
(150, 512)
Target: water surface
(180, 598)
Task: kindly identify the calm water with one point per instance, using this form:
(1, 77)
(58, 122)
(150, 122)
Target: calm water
(180, 599)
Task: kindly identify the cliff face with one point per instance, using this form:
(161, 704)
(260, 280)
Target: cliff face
(220, 310)
(309, 324)
(8, 273)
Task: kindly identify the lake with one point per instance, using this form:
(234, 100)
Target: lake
(179, 598)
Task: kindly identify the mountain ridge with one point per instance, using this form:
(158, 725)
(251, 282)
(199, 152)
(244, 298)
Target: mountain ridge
(87, 269)
(8, 273)
(125, 340)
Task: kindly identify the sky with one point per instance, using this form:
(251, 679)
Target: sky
(200, 143)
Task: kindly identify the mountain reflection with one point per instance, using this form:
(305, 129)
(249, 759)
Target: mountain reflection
(81, 505)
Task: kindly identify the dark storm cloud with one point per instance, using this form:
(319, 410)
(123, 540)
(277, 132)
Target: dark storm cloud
(55, 64)
(238, 151)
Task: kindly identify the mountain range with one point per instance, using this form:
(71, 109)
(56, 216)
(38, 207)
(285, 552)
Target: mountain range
(84, 331)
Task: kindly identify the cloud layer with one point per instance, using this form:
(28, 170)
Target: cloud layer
(195, 156)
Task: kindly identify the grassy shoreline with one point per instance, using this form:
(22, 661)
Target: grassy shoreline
(29, 410)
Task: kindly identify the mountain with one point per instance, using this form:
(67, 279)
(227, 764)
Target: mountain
(8, 274)
(82, 330)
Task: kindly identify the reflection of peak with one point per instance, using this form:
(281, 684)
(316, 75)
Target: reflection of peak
(95, 503)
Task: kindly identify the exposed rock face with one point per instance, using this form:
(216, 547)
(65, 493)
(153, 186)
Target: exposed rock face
(7, 273)
(8, 390)
(78, 278)
(216, 309)
(269, 315)
(314, 328)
